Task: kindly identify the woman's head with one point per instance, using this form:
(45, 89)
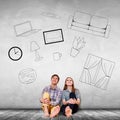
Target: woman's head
(69, 82)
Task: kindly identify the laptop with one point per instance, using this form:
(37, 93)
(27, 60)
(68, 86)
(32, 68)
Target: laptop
(24, 29)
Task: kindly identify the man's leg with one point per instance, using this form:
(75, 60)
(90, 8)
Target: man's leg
(45, 110)
(54, 111)
(46, 107)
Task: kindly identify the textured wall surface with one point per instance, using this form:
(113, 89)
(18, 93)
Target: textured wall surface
(69, 37)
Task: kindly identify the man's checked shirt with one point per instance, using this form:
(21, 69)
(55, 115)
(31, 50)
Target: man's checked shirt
(55, 94)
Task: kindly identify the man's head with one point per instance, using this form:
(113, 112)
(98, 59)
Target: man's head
(55, 79)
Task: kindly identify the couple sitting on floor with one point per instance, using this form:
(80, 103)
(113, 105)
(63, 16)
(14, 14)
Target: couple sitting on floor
(52, 95)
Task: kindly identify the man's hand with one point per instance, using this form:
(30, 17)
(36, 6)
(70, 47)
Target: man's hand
(46, 101)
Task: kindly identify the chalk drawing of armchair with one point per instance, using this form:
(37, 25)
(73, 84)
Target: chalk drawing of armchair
(87, 23)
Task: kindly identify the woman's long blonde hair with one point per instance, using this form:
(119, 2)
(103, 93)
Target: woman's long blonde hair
(65, 86)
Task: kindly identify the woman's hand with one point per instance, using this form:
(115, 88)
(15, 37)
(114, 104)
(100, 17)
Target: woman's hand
(72, 101)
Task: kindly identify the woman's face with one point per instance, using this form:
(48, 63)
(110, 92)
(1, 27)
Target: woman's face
(69, 82)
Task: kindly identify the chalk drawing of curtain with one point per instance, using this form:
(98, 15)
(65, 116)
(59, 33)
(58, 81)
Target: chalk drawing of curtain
(106, 69)
(97, 71)
(90, 68)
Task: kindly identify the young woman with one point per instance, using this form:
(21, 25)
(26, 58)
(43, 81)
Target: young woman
(70, 98)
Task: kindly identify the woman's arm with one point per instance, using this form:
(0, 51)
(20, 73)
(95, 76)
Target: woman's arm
(64, 102)
(78, 96)
(77, 101)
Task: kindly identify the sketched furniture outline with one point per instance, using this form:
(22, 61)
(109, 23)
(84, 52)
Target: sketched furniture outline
(53, 36)
(78, 44)
(97, 71)
(27, 76)
(34, 47)
(87, 23)
(24, 29)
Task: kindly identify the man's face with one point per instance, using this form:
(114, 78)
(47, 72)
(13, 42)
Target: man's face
(54, 80)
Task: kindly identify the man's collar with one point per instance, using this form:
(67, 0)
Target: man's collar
(53, 88)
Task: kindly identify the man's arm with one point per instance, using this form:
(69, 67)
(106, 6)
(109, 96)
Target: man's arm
(41, 97)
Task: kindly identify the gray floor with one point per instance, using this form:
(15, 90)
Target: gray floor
(80, 115)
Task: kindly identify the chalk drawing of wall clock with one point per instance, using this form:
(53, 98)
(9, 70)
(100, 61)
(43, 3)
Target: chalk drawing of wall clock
(15, 53)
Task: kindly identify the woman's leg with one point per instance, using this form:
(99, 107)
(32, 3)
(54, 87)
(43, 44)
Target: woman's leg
(63, 109)
(72, 95)
(74, 107)
(68, 111)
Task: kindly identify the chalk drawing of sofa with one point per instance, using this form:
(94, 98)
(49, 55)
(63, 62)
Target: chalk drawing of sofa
(87, 23)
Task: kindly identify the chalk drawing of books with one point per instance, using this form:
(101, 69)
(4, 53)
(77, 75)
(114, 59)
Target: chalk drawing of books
(97, 71)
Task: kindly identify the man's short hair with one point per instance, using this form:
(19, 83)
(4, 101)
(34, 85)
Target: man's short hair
(56, 76)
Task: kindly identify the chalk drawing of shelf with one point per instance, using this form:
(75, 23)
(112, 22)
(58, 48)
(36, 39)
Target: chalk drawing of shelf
(87, 23)
(34, 47)
(78, 44)
(27, 76)
(50, 14)
(97, 71)
(53, 36)
(24, 29)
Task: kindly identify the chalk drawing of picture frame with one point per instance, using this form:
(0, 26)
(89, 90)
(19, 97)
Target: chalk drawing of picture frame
(53, 36)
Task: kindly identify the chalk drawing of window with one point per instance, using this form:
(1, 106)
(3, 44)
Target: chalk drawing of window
(24, 29)
(87, 23)
(97, 71)
(34, 47)
(27, 76)
(53, 36)
(77, 45)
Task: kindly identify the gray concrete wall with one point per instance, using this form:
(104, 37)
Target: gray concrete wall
(94, 66)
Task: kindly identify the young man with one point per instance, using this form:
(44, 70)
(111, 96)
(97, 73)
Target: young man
(51, 98)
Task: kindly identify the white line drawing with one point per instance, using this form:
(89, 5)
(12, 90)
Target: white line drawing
(53, 36)
(24, 29)
(34, 47)
(78, 44)
(97, 71)
(49, 14)
(57, 56)
(87, 23)
(27, 76)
